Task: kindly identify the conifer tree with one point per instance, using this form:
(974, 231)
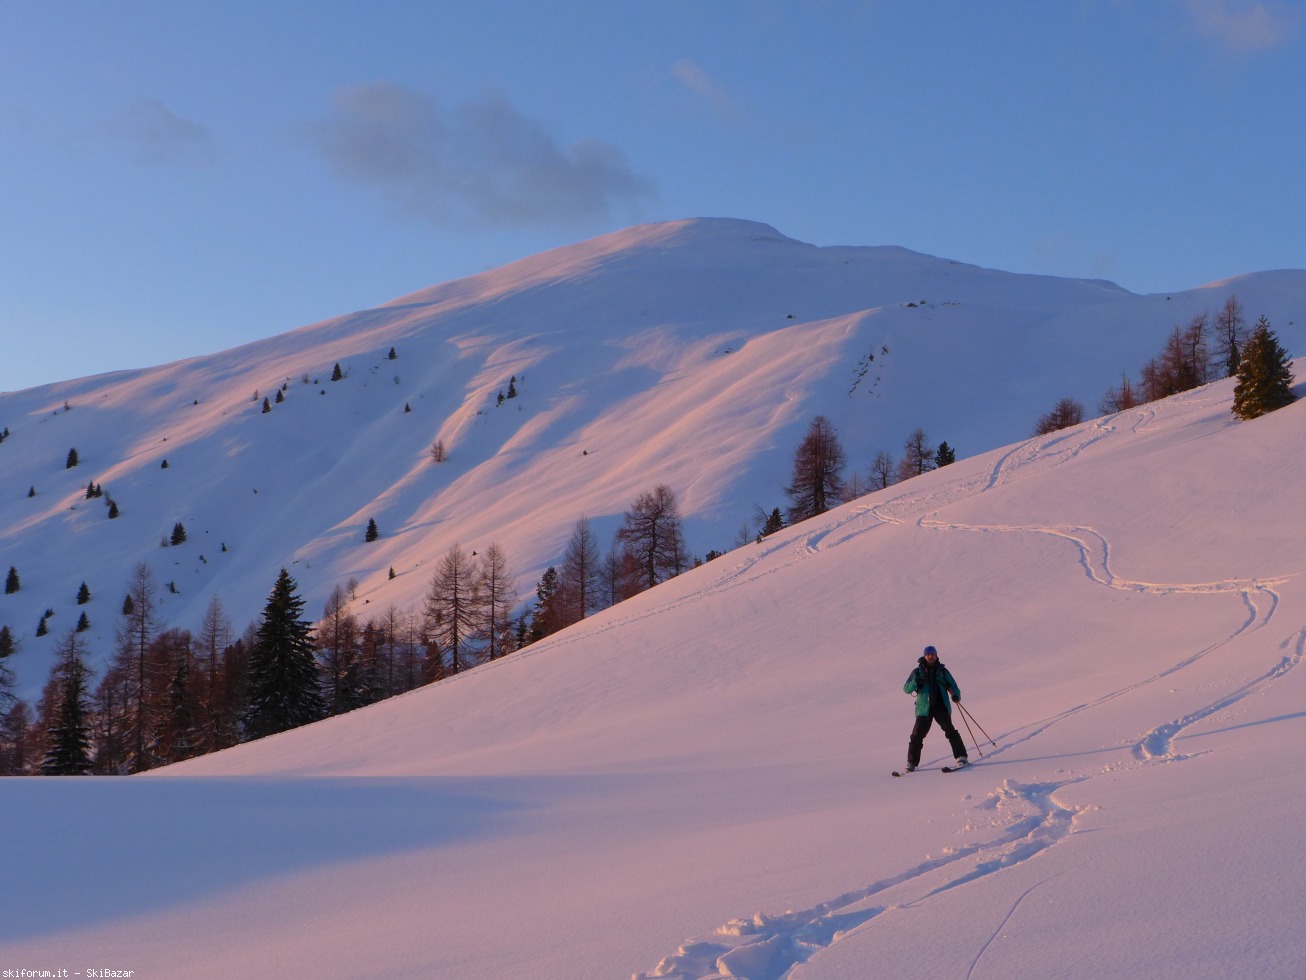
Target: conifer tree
(546, 618)
(1064, 414)
(71, 460)
(1119, 399)
(917, 457)
(497, 595)
(817, 482)
(214, 636)
(1230, 336)
(945, 455)
(135, 633)
(1264, 375)
(16, 737)
(372, 532)
(12, 583)
(883, 471)
(179, 733)
(178, 534)
(579, 579)
(651, 537)
(283, 681)
(452, 607)
(68, 734)
(83, 595)
(337, 645)
(336, 373)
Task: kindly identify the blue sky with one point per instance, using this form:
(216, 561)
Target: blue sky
(178, 177)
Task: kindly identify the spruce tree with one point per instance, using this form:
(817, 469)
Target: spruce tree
(12, 584)
(283, 681)
(68, 736)
(336, 373)
(72, 459)
(1264, 375)
(178, 534)
(372, 532)
(83, 595)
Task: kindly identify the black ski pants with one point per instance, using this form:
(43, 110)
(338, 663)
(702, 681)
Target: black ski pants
(922, 726)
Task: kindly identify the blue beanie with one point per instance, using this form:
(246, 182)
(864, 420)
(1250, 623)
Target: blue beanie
(929, 650)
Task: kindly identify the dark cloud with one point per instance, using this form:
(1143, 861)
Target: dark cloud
(480, 162)
(156, 136)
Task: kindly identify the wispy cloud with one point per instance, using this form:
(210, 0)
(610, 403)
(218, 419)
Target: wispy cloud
(693, 77)
(483, 162)
(1245, 26)
(156, 136)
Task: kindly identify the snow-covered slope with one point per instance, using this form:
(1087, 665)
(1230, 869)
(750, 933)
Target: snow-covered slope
(692, 353)
(695, 783)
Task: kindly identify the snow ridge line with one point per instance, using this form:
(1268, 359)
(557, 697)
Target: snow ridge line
(768, 947)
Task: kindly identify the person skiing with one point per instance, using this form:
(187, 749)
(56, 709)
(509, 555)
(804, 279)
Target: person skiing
(932, 684)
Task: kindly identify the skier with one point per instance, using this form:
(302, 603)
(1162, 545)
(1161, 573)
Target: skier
(932, 684)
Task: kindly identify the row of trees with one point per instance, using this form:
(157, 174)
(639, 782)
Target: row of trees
(818, 482)
(168, 694)
(1203, 351)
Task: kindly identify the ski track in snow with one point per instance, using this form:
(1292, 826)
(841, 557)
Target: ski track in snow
(1030, 818)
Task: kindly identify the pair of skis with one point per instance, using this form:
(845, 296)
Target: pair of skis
(944, 769)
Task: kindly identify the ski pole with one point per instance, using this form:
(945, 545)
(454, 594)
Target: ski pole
(972, 734)
(967, 714)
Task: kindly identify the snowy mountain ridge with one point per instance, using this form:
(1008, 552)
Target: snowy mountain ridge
(691, 353)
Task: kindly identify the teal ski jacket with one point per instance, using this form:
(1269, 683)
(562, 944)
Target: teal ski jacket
(937, 680)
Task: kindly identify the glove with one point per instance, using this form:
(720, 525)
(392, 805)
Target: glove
(956, 699)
